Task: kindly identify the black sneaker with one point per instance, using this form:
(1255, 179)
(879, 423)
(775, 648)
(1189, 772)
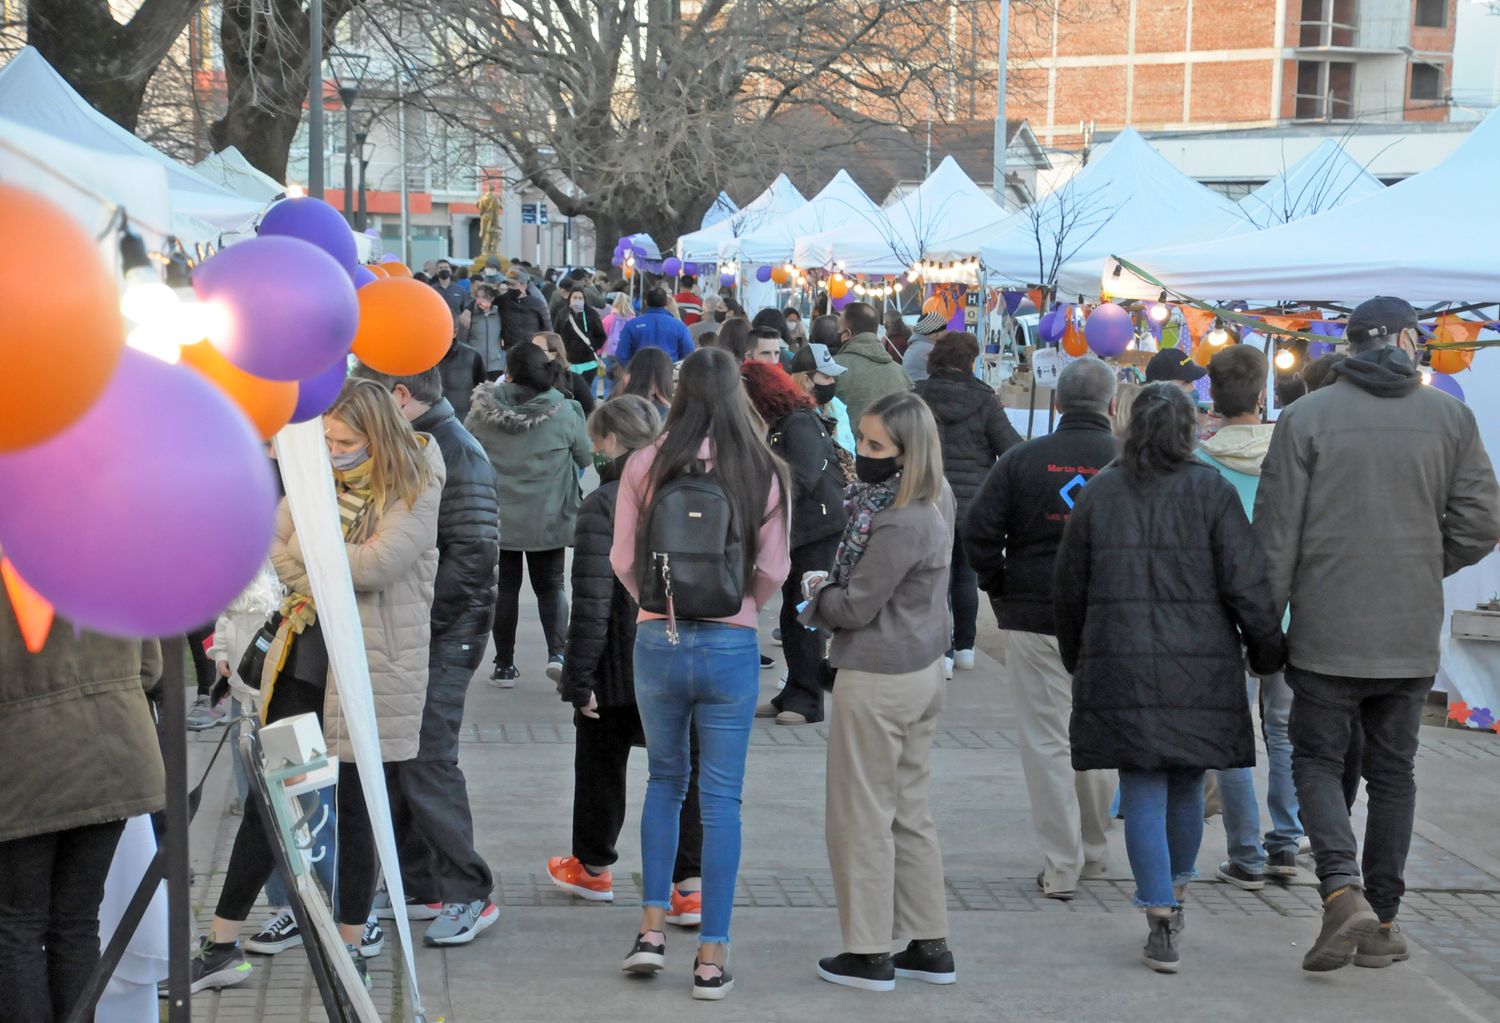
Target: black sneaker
(504, 676)
(279, 934)
(215, 966)
(1282, 865)
(865, 972)
(931, 969)
(360, 967)
(372, 941)
(1160, 952)
(765, 662)
(1233, 873)
(716, 985)
(646, 957)
(554, 667)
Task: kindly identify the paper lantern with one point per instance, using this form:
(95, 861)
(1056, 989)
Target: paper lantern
(1073, 341)
(150, 514)
(764, 274)
(268, 404)
(405, 327)
(780, 275)
(291, 310)
(62, 336)
(315, 222)
(1451, 360)
(1109, 330)
(671, 266)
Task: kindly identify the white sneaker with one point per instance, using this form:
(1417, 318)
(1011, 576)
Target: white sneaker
(963, 660)
(948, 667)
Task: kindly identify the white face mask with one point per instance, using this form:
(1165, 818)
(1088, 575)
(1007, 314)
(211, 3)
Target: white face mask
(576, 304)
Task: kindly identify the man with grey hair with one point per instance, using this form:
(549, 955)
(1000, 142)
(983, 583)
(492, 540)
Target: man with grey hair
(1374, 488)
(1011, 533)
(712, 319)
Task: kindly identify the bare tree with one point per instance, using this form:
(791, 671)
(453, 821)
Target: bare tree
(1062, 224)
(650, 107)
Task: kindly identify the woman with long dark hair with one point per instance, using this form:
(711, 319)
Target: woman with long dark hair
(802, 438)
(734, 337)
(1160, 589)
(649, 376)
(701, 673)
(583, 333)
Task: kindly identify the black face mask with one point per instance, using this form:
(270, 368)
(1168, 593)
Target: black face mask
(443, 275)
(720, 316)
(875, 470)
(823, 393)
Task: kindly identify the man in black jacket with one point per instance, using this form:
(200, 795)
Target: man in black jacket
(1012, 532)
(429, 798)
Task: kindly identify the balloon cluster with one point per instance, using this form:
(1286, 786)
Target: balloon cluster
(145, 501)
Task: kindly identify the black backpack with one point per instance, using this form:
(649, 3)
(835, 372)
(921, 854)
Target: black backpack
(692, 558)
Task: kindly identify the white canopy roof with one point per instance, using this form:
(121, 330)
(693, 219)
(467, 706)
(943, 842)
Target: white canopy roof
(1322, 180)
(1429, 239)
(1128, 193)
(945, 206)
(230, 169)
(34, 95)
(777, 200)
(723, 207)
(841, 203)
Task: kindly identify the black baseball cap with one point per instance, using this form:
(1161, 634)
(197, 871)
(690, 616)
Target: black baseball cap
(1382, 316)
(1173, 364)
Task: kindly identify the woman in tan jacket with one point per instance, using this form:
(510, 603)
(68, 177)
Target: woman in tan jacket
(389, 483)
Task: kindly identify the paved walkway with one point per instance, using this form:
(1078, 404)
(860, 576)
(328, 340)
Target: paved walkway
(1020, 957)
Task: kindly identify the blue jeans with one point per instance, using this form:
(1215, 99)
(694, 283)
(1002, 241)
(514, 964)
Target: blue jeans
(1163, 830)
(710, 678)
(1237, 787)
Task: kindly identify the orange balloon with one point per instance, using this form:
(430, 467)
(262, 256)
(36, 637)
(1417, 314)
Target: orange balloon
(404, 327)
(779, 275)
(395, 269)
(837, 287)
(268, 404)
(1073, 341)
(376, 269)
(60, 341)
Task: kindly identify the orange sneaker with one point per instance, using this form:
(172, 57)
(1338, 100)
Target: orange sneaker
(568, 874)
(687, 909)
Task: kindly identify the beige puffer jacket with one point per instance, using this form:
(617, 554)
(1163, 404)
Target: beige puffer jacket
(393, 575)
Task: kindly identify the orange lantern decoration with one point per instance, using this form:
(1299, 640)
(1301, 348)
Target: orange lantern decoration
(404, 327)
(61, 341)
(837, 287)
(1451, 330)
(780, 275)
(1073, 342)
(268, 404)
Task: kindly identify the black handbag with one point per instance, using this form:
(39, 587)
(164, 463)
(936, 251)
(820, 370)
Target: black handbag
(253, 662)
(306, 661)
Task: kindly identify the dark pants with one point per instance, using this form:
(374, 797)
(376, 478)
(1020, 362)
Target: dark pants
(50, 889)
(803, 647)
(963, 599)
(1354, 763)
(1324, 710)
(546, 568)
(205, 670)
(600, 755)
(430, 802)
(250, 858)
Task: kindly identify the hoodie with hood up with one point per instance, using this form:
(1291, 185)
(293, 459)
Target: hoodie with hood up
(872, 374)
(1373, 490)
(537, 442)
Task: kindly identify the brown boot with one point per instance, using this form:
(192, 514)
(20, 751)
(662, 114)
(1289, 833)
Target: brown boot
(1348, 920)
(1385, 946)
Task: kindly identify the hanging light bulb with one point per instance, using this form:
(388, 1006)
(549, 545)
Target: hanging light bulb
(1427, 376)
(1216, 337)
(1159, 311)
(1285, 359)
(295, 191)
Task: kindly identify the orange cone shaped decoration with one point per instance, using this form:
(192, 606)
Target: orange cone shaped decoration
(33, 612)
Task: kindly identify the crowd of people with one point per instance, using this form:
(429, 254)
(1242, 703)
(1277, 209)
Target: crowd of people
(1158, 574)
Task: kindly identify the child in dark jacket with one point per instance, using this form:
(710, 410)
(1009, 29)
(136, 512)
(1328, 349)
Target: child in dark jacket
(598, 680)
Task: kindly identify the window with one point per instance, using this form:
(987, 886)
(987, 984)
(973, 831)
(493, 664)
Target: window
(1426, 81)
(1328, 23)
(1325, 90)
(1432, 14)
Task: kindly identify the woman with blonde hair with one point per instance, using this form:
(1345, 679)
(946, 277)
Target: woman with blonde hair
(569, 384)
(389, 482)
(886, 606)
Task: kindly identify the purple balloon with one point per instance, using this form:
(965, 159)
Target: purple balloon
(149, 514)
(1442, 381)
(1109, 330)
(292, 308)
(316, 393)
(842, 300)
(691, 269)
(1051, 326)
(390, 257)
(362, 277)
(671, 266)
(726, 280)
(313, 220)
(763, 274)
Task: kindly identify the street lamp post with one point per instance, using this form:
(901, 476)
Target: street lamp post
(360, 216)
(349, 72)
(315, 99)
(1000, 132)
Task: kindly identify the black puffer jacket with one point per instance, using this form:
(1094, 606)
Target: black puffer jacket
(974, 428)
(520, 320)
(601, 631)
(804, 441)
(1158, 582)
(462, 370)
(468, 536)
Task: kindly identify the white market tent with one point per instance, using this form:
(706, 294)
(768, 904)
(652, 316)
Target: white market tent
(841, 203)
(945, 206)
(1128, 193)
(723, 208)
(34, 95)
(1326, 178)
(779, 199)
(1429, 239)
(229, 169)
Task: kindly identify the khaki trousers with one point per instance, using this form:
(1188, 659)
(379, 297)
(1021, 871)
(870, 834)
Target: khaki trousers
(1069, 809)
(882, 844)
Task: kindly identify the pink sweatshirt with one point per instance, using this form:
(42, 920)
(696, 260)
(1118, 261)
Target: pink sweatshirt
(772, 561)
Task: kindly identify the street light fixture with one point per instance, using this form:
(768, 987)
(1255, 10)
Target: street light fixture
(360, 137)
(348, 75)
